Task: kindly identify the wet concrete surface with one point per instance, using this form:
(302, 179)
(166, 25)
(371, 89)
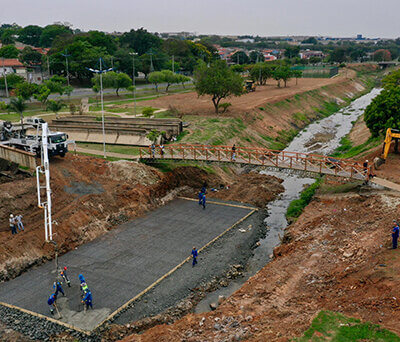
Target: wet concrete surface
(122, 263)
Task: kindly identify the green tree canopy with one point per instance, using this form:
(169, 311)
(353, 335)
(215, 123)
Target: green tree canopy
(256, 57)
(113, 80)
(50, 32)
(9, 51)
(12, 81)
(260, 72)
(240, 57)
(140, 41)
(26, 90)
(55, 106)
(30, 57)
(156, 77)
(292, 51)
(384, 110)
(30, 35)
(218, 81)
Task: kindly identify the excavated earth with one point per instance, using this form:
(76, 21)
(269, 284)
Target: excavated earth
(92, 196)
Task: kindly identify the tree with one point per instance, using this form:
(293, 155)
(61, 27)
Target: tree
(55, 106)
(7, 37)
(282, 73)
(384, 110)
(240, 57)
(338, 55)
(18, 105)
(218, 81)
(153, 135)
(42, 94)
(382, 55)
(26, 90)
(12, 81)
(260, 72)
(50, 32)
(310, 40)
(140, 41)
(30, 57)
(30, 35)
(9, 51)
(297, 74)
(156, 77)
(256, 57)
(183, 79)
(170, 78)
(292, 51)
(113, 80)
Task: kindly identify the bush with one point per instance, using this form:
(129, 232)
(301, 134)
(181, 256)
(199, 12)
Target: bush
(3, 105)
(224, 106)
(148, 111)
(296, 207)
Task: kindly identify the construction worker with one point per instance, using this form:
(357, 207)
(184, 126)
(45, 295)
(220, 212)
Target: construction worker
(57, 286)
(162, 150)
(12, 224)
(84, 286)
(52, 302)
(87, 299)
(203, 201)
(63, 273)
(234, 152)
(18, 220)
(153, 150)
(395, 234)
(194, 255)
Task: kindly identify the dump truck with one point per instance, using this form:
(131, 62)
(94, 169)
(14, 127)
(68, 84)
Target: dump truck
(249, 86)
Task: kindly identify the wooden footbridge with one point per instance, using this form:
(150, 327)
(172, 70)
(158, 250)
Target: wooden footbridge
(261, 157)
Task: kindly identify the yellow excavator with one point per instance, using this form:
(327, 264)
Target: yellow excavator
(391, 134)
(249, 85)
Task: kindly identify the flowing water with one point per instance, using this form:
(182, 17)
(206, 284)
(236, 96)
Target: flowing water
(321, 137)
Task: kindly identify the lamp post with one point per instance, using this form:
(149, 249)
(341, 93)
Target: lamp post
(66, 55)
(133, 54)
(101, 72)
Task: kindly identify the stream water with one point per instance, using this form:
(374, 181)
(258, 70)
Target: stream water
(321, 137)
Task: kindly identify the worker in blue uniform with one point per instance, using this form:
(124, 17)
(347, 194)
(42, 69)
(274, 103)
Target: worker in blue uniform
(52, 302)
(57, 286)
(194, 255)
(395, 234)
(87, 299)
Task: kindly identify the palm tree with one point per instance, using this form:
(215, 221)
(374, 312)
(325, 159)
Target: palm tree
(55, 106)
(18, 105)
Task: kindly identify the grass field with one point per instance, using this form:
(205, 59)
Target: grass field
(334, 327)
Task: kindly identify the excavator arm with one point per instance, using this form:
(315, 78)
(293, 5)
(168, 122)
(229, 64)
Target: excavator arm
(391, 134)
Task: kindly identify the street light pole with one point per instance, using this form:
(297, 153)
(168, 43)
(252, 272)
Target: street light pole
(133, 54)
(66, 62)
(101, 71)
(173, 64)
(5, 78)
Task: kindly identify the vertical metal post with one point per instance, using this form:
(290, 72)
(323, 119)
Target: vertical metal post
(173, 64)
(102, 109)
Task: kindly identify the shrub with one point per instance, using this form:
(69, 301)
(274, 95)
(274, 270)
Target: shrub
(224, 106)
(148, 111)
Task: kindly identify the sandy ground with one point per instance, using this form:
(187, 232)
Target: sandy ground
(190, 103)
(337, 258)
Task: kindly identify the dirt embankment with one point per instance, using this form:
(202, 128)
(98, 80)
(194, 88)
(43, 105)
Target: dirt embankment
(91, 196)
(337, 258)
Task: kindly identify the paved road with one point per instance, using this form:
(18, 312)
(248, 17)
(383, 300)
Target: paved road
(124, 262)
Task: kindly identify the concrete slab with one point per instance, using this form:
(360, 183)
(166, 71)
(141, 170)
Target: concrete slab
(124, 262)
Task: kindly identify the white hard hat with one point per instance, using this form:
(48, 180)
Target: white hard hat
(11, 215)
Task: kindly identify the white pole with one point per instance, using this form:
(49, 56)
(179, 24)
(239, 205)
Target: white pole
(102, 110)
(48, 221)
(66, 59)
(173, 64)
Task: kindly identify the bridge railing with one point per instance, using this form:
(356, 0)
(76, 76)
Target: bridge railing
(260, 156)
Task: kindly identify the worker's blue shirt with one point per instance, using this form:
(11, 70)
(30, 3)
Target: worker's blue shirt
(194, 253)
(57, 285)
(82, 279)
(396, 231)
(203, 199)
(88, 297)
(51, 299)
(203, 190)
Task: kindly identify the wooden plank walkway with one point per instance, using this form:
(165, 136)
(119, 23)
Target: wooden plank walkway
(260, 156)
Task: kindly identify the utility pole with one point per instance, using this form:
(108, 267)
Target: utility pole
(173, 64)
(238, 57)
(133, 54)
(66, 62)
(151, 62)
(48, 66)
(101, 72)
(5, 78)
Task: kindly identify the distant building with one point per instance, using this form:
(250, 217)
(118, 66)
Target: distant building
(309, 53)
(245, 40)
(14, 66)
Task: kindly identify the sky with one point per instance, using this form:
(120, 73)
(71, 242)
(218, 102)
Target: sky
(339, 18)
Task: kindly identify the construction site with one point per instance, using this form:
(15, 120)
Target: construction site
(129, 223)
